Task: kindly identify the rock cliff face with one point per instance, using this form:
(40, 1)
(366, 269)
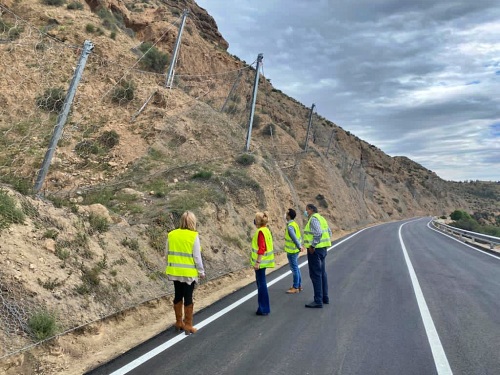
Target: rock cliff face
(135, 155)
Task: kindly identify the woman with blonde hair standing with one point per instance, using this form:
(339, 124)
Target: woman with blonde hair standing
(262, 257)
(184, 266)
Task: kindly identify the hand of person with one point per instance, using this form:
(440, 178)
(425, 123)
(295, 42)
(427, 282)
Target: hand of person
(256, 266)
(302, 248)
(202, 276)
(310, 250)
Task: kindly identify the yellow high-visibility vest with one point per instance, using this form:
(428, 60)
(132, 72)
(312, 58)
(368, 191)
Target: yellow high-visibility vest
(267, 260)
(325, 235)
(289, 244)
(180, 260)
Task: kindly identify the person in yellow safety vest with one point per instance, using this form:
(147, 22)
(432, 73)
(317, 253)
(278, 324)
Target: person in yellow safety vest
(293, 246)
(262, 257)
(184, 266)
(317, 240)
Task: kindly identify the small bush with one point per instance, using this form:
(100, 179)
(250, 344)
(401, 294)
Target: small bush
(14, 33)
(75, 5)
(90, 28)
(9, 213)
(56, 3)
(245, 159)
(50, 284)
(203, 175)
(124, 92)
(132, 243)
(51, 233)
(109, 139)
(52, 99)
(98, 223)
(153, 59)
(112, 35)
(157, 238)
(86, 148)
(42, 325)
(458, 215)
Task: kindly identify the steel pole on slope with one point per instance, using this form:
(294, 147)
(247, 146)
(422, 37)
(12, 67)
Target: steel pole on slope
(170, 75)
(254, 98)
(88, 46)
(309, 127)
(330, 142)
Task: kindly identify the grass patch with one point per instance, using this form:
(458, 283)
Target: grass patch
(98, 223)
(245, 159)
(9, 213)
(42, 325)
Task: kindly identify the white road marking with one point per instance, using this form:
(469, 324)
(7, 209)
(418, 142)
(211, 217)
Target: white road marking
(154, 352)
(463, 243)
(440, 360)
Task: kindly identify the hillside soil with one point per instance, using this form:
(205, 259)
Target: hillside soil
(97, 343)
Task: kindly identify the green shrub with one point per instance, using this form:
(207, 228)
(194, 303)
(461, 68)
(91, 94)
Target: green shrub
(90, 28)
(51, 233)
(132, 243)
(98, 223)
(14, 33)
(459, 214)
(50, 284)
(75, 5)
(157, 238)
(53, 2)
(86, 148)
(52, 99)
(109, 139)
(9, 213)
(42, 325)
(203, 175)
(245, 159)
(98, 196)
(153, 59)
(124, 92)
(112, 35)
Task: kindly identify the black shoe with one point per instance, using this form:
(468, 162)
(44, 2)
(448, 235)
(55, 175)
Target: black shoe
(261, 313)
(326, 302)
(314, 305)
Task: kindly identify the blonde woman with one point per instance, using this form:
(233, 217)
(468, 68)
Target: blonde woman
(262, 257)
(184, 266)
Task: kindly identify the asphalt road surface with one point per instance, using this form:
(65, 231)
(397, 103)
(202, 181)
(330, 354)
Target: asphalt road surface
(404, 299)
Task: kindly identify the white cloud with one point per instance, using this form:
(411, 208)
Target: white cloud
(413, 78)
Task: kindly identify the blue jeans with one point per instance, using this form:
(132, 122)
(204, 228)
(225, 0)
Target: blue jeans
(317, 272)
(262, 293)
(294, 266)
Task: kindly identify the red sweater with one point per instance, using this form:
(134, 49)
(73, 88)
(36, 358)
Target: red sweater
(262, 244)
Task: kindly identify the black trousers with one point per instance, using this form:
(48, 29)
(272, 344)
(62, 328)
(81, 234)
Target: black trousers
(183, 291)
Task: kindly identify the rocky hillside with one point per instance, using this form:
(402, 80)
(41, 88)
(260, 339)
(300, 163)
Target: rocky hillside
(134, 155)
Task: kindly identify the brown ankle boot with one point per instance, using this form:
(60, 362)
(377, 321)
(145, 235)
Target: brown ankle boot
(188, 319)
(179, 324)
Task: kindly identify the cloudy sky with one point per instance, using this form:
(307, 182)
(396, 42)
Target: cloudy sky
(419, 78)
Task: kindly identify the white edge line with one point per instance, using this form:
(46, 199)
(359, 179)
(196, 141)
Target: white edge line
(440, 359)
(152, 353)
(463, 243)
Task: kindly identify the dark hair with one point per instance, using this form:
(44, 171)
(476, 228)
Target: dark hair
(312, 207)
(291, 212)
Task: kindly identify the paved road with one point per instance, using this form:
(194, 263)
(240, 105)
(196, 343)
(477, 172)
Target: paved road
(405, 299)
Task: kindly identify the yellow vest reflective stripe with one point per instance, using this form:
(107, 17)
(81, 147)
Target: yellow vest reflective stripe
(325, 235)
(267, 260)
(180, 261)
(290, 246)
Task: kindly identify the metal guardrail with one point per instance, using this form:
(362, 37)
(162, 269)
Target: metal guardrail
(468, 235)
